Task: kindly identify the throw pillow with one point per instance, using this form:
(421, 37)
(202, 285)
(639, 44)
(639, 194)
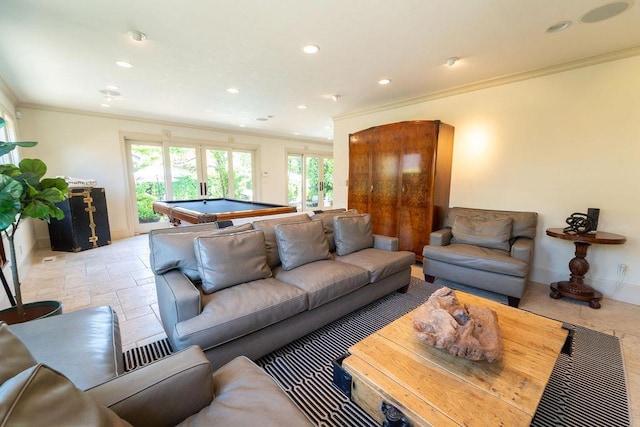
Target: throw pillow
(352, 233)
(226, 260)
(40, 395)
(492, 234)
(268, 227)
(171, 250)
(301, 243)
(15, 357)
(327, 221)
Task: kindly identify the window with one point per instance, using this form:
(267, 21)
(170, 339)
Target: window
(310, 178)
(161, 170)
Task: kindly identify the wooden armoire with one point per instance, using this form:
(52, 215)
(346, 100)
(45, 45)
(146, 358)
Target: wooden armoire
(400, 173)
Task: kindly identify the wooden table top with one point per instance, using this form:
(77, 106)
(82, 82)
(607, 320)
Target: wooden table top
(599, 237)
(432, 387)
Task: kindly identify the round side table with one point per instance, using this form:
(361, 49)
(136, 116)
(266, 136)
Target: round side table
(575, 287)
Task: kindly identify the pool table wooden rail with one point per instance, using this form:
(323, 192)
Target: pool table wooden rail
(177, 214)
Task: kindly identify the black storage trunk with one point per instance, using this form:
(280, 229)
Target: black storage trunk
(85, 224)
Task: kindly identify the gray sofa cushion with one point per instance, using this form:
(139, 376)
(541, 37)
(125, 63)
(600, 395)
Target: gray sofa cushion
(301, 243)
(230, 259)
(247, 396)
(268, 228)
(173, 248)
(41, 395)
(327, 220)
(15, 356)
(380, 264)
(492, 233)
(477, 258)
(324, 281)
(352, 233)
(237, 311)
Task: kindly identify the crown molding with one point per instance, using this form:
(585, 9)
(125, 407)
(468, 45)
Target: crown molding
(172, 123)
(4, 88)
(498, 81)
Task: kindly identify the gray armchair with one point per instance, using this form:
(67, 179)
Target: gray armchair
(483, 248)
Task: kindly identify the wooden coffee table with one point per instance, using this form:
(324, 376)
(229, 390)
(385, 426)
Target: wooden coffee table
(431, 387)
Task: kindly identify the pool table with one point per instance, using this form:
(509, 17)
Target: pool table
(210, 210)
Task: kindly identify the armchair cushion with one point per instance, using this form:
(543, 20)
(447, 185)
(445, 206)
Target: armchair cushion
(301, 243)
(40, 393)
(488, 233)
(15, 356)
(477, 258)
(230, 259)
(352, 233)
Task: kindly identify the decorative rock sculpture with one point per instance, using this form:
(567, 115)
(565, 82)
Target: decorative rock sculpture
(467, 331)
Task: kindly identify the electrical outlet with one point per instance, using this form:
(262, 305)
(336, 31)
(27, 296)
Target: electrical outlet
(622, 269)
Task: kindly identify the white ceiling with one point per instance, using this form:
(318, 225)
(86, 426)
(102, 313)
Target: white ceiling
(61, 53)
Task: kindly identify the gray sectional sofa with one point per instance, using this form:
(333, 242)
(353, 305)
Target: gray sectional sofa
(68, 370)
(249, 289)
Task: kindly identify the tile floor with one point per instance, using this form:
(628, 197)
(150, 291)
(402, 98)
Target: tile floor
(119, 275)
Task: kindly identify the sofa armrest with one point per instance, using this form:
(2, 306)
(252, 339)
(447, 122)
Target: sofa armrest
(164, 392)
(522, 249)
(178, 298)
(440, 237)
(386, 243)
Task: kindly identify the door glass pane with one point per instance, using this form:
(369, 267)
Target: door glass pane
(327, 187)
(294, 181)
(217, 173)
(184, 173)
(312, 180)
(242, 175)
(148, 175)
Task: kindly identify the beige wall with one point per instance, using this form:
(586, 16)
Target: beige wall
(89, 146)
(556, 145)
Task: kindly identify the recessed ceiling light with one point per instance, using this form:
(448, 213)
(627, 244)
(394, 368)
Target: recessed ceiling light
(112, 87)
(242, 125)
(262, 119)
(605, 12)
(302, 107)
(311, 49)
(560, 26)
(384, 81)
(137, 36)
(109, 93)
(233, 90)
(105, 105)
(452, 61)
(296, 133)
(124, 64)
(335, 97)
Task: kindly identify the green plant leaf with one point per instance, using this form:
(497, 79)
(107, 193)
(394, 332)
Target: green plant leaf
(34, 166)
(10, 194)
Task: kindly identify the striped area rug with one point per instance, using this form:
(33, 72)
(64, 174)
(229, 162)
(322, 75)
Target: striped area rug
(586, 389)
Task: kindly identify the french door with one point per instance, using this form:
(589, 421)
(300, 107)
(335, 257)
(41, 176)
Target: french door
(310, 181)
(170, 171)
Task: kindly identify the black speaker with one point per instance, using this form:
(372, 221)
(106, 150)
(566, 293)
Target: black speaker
(594, 214)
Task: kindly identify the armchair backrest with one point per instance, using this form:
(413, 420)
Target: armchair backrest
(524, 223)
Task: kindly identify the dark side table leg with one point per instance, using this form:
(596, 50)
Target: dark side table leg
(575, 287)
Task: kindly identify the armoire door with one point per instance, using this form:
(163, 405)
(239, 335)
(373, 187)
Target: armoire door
(418, 154)
(360, 170)
(385, 180)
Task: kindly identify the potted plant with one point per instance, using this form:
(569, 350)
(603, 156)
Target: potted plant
(24, 193)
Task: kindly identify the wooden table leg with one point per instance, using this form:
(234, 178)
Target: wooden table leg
(575, 287)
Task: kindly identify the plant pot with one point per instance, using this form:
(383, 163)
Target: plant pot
(32, 310)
